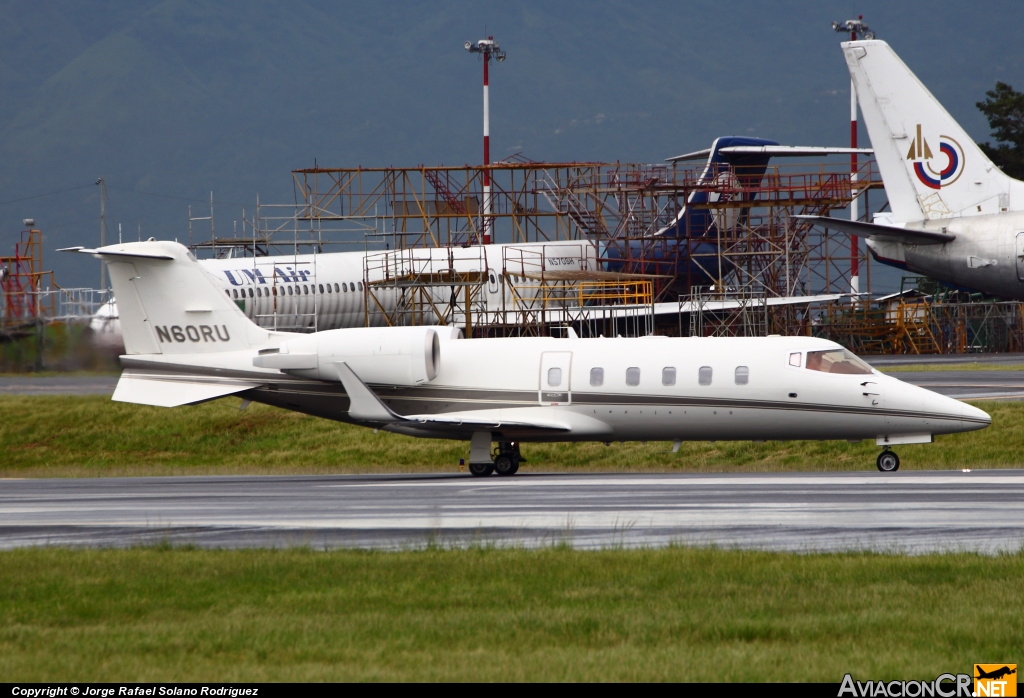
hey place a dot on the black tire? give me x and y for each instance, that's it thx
(506, 465)
(481, 469)
(888, 462)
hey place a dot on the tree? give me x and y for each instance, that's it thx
(1004, 108)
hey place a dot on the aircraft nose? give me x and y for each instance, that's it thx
(973, 418)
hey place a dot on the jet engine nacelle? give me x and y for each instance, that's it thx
(378, 355)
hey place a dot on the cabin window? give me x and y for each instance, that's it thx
(360, 286)
(836, 361)
(597, 377)
(794, 359)
(289, 290)
(305, 289)
(554, 376)
(227, 292)
(321, 288)
(704, 375)
(235, 292)
(344, 287)
(668, 375)
(742, 375)
(336, 289)
(633, 376)
(352, 286)
(274, 290)
(328, 288)
(250, 293)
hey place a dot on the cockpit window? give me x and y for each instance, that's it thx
(836, 361)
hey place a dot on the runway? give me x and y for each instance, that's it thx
(905, 512)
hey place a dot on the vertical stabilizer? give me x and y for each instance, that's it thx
(169, 304)
(930, 166)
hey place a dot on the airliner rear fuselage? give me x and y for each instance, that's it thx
(987, 254)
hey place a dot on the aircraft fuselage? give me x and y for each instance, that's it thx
(987, 254)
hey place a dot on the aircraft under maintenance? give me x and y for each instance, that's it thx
(956, 217)
(329, 290)
(187, 342)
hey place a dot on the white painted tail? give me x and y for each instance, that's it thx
(931, 167)
(169, 305)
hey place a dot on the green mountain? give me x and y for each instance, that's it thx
(169, 100)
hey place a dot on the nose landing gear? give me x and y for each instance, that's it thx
(888, 461)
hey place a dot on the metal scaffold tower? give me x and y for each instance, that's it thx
(26, 287)
(740, 239)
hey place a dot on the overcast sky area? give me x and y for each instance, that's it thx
(170, 100)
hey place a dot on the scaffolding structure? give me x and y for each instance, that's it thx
(749, 241)
(925, 326)
(25, 285)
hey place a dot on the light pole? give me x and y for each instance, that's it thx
(855, 27)
(103, 230)
(487, 47)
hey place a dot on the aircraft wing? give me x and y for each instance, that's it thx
(365, 406)
(885, 233)
(172, 390)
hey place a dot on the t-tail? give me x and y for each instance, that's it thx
(931, 167)
(175, 322)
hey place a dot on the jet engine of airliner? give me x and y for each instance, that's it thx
(400, 356)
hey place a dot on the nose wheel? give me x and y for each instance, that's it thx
(888, 462)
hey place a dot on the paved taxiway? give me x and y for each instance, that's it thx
(911, 512)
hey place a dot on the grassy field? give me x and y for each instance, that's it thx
(88, 436)
(943, 367)
(555, 614)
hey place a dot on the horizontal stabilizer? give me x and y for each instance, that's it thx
(884, 233)
(108, 252)
(775, 151)
(172, 390)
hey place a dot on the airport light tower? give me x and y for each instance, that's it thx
(855, 27)
(487, 48)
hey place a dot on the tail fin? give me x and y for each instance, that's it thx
(736, 163)
(169, 305)
(931, 167)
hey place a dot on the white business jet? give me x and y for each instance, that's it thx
(955, 216)
(187, 341)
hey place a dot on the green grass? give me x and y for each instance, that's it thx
(509, 615)
(87, 436)
(944, 367)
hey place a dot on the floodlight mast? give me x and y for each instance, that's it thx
(855, 27)
(487, 48)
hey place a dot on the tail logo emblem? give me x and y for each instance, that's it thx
(948, 172)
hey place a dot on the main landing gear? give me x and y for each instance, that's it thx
(504, 460)
(888, 461)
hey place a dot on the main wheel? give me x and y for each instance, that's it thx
(506, 464)
(888, 462)
(481, 469)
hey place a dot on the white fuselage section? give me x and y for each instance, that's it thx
(987, 254)
(356, 289)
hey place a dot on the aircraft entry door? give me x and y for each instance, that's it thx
(554, 378)
(1020, 256)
